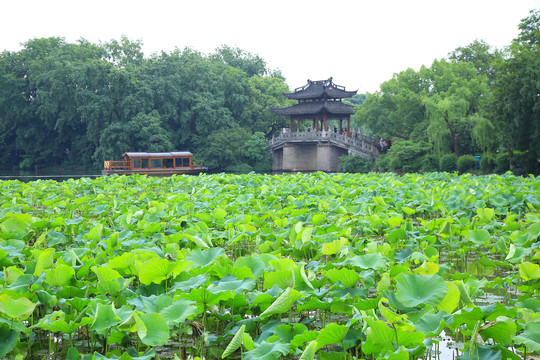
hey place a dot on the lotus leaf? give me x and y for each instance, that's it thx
(347, 277)
(283, 303)
(334, 247)
(130, 354)
(282, 278)
(254, 263)
(530, 337)
(8, 339)
(501, 330)
(267, 351)
(202, 258)
(16, 308)
(152, 329)
(484, 352)
(309, 351)
(478, 236)
(451, 300)
(235, 343)
(104, 317)
(331, 334)
(59, 276)
(529, 271)
(413, 290)
(156, 270)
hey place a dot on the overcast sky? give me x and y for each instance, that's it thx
(359, 43)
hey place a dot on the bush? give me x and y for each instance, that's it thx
(407, 155)
(524, 163)
(466, 163)
(430, 163)
(241, 168)
(355, 164)
(263, 166)
(448, 163)
(502, 163)
(487, 163)
(383, 163)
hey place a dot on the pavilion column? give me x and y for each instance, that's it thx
(317, 123)
(290, 128)
(324, 122)
(349, 125)
(297, 124)
(340, 125)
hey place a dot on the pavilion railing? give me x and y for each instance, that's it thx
(356, 141)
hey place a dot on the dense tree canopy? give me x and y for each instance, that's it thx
(477, 101)
(100, 100)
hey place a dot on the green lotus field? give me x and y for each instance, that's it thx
(306, 266)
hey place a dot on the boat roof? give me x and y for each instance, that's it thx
(157, 154)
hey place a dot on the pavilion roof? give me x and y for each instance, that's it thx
(320, 89)
(315, 107)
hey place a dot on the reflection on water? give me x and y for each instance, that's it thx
(58, 174)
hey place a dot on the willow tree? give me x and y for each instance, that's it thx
(454, 101)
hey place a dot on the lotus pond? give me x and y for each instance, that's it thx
(325, 266)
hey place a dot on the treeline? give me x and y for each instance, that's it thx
(97, 101)
(480, 101)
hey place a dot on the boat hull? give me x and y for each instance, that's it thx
(157, 172)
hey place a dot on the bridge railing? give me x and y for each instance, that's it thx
(358, 141)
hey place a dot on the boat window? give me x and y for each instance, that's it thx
(185, 162)
(137, 163)
(144, 163)
(168, 163)
(155, 163)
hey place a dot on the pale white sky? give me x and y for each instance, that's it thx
(359, 43)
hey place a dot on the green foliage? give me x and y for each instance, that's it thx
(448, 163)
(383, 163)
(502, 163)
(407, 156)
(431, 163)
(99, 101)
(514, 105)
(225, 148)
(355, 164)
(487, 163)
(466, 163)
(524, 163)
(224, 263)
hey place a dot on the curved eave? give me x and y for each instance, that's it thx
(320, 92)
(314, 108)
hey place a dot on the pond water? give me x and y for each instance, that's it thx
(58, 174)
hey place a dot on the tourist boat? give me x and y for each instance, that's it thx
(154, 164)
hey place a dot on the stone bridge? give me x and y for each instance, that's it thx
(317, 151)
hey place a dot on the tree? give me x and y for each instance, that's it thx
(515, 102)
(255, 154)
(264, 93)
(481, 55)
(456, 95)
(397, 109)
(142, 133)
(225, 148)
(251, 64)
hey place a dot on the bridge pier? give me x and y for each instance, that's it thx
(316, 151)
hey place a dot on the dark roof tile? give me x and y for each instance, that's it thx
(320, 89)
(315, 107)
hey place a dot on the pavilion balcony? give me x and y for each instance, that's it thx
(355, 142)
